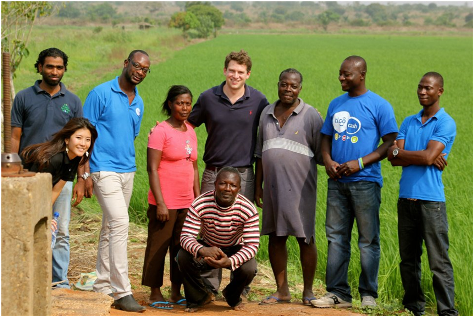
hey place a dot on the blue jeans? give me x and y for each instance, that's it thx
(61, 248)
(346, 201)
(417, 221)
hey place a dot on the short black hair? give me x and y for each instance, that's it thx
(132, 53)
(292, 71)
(229, 169)
(51, 52)
(437, 76)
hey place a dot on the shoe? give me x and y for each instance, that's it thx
(330, 301)
(368, 301)
(128, 303)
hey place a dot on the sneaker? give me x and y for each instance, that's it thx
(368, 301)
(330, 301)
(128, 303)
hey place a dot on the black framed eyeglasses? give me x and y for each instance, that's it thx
(137, 66)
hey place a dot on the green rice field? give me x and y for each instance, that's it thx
(395, 66)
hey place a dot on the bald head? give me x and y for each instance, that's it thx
(358, 62)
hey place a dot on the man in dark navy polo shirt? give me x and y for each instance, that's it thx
(230, 112)
(37, 113)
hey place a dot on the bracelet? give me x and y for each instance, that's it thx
(361, 164)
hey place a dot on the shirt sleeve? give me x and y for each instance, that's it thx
(327, 128)
(251, 240)
(403, 129)
(196, 115)
(18, 111)
(259, 145)
(93, 107)
(191, 228)
(78, 113)
(386, 122)
(445, 131)
(157, 138)
(317, 125)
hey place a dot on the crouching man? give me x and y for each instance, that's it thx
(228, 226)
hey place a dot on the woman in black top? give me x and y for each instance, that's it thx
(63, 153)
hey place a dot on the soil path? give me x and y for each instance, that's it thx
(84, 233)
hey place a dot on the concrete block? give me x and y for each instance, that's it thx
(26, 245)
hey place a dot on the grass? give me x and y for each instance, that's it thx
(395, 65)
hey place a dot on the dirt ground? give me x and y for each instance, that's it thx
(84, 233)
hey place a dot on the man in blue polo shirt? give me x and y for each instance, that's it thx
(422, 147)
(116, 110)
(38, 112)
(354, 124)
(231, 112)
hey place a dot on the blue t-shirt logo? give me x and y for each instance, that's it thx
(343, 122)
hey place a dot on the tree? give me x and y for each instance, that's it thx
(468, 20)
(327, 17)
(18, 18)
(184, 21)
(213, 13)
(377, 12)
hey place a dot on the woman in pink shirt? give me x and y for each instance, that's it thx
(174, 183)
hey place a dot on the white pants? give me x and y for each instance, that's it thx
(113, 191)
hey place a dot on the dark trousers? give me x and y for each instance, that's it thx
(197, 289)
(417, 221)
(161, 236)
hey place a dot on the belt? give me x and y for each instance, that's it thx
(241, 169)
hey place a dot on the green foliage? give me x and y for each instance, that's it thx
(206, 26)
(295, 16)
(468, 20)
(359, 22)
(281, 10)
(237, 6)
(184, 21)
(445, 19)
(377, 12)
(97, 29)
(69, 10)
(214, 14)
(103, 12)
(327, 17)
(18, 18)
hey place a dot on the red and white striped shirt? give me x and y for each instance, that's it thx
(222, 227)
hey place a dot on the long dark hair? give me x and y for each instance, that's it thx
(43, 152)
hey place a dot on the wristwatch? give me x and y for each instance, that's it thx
(85, 175)
(395, 152)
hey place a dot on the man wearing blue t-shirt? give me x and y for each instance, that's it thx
(422, 148)
(351, 133)
(116, 110)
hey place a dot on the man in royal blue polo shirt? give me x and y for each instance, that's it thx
(116, 110)
(38, 112)
(422, 147)
(230, 112)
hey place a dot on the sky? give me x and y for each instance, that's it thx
(438, 3)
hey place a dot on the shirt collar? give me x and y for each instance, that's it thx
(437, 114)
(116, 87)
(38, 89)
(220, 91)
(297, 110)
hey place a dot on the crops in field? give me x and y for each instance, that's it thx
(395, 65)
